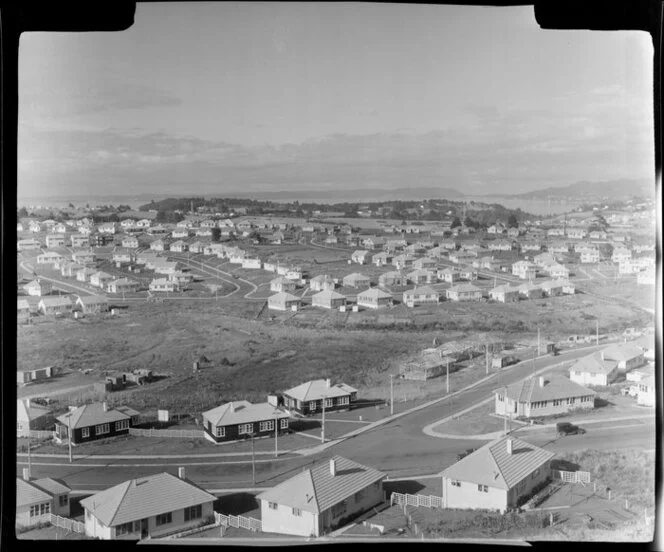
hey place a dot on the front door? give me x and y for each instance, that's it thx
(144, 528)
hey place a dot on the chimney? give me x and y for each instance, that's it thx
(26, 474)
(601, 355)
(333, 467)
(104, 405)
(27, 403)
(509, 446)
(327, 382)
(181, 473)
(232, 407)
(541, 381)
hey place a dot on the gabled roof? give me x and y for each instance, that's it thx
(91, 414)
(93, 299)
(123, 281)
(316, 490)
(505, 288)
(359, 252)
(493, 466)
(555, 387)
(51, 486)
(375, 293)
(32, 412)
(622, 352)
(551, 284)
(315, 390)
(328, 294)
(283, 296)
(464, 287)
(421, 290)
(144, 497)
(241, 412)
(356, 276)
(27, 493)
(56, 301)
(322, 278)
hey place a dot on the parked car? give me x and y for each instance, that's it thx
(465, 453)
(567, 428)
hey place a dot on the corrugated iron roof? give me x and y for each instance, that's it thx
(51, 486)
(493, 466)
(145, 497)
(622, 352)
(316, 490)
(315, 390)
(555, 387)
(91, 414)
(27, 493)
(242, 412)
(594, 364)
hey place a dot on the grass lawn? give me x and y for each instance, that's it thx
(52, 533)
(475, 422)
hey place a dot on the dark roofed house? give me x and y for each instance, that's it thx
(307, 398)
(322, 498)
(241, 419)
(91, 422)
(542, 396)
(151, 506)
(92, 304)
(497, 476)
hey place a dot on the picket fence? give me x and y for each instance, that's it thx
(429, 501)
(66, 523)
(35, 434)
(252, 524)
(572, 477)
(179, 433)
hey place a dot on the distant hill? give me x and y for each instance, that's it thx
(357, 194)
(584, 189)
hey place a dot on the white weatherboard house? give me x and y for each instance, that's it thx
(374, 298)
(496, 476)
(150, 506)
(36, 499)
(319, 499)
(283, 301)
(594, 369)
(328, 299)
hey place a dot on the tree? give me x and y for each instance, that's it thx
(512, 222)
(216, 235)
(22, 212)
(455, 222)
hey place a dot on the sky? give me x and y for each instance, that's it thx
(226, 97)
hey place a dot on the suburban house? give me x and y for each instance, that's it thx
(321, 283)
(283, 301)
(38, 288)
(32, 417)
(561, 248)
(70, 269)
(524, 270)
(468, 274)
(557, 271)
(530, 246)
(55, 240)
(646, 392)
(459, 257)
(241, 419)
(429, 364)
(56, 304)
(497, 476)
(197, 247)
(421, 296)
(449, 275)
(594, 369)
(552, 288)
(123, 285)
(178, 246)
(530, 291)
(91, 422)
(92, 304)
(252, 263)
(505, 294)
(328, 299)
(130, 242)
(464, 292)
(294, 274)
(403, 261)
(158, 245)
(621, 254)
(28, 244)
(392, 278)
(100, 279)
(181, 278)
(163, 284)
(568, 287)
(381, 259)
(360, 256)
(373, 242)
(500, 245)
(374, 298)
(356, 280)
(425, 263)
(48, 257)
(307, 398)
(639, 374)
(36, 499)
(150, 506)
(422, 276)
(36, 374)
(79, 240)
(542, 396)
(590, 256)
(282, 284)
(627, 355)
(123, 256)
(321, 498)
(180, 233)
(544, 259)
(23, 309)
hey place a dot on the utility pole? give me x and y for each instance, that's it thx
(29, 455)
(539, 347)
(597, 332)
(276, 437)
(322, 430)
(486, 354)
(448, 375)
(391, 394)
(69, 435)
(253, 459)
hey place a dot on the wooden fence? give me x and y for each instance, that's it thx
(35, 434)
(178, 433)
(429, 501)
(252, 524)
(571, 477)
(66, 523)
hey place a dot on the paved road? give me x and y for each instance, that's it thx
(399, 447)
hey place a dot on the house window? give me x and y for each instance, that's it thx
(194, 512)
(266, 426)
(344, 400)
(312, 405)
(122, 424)
(456, 483)
(283, 423)
(272, 505)
(329, 403)
(220, 431)
(87, 514)
(500, 398)
(64, 499)
(102, 429)
(483, 488)
(297, 512)
(124, 529)
(245, 429)
(556, 402)
(164, 519)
